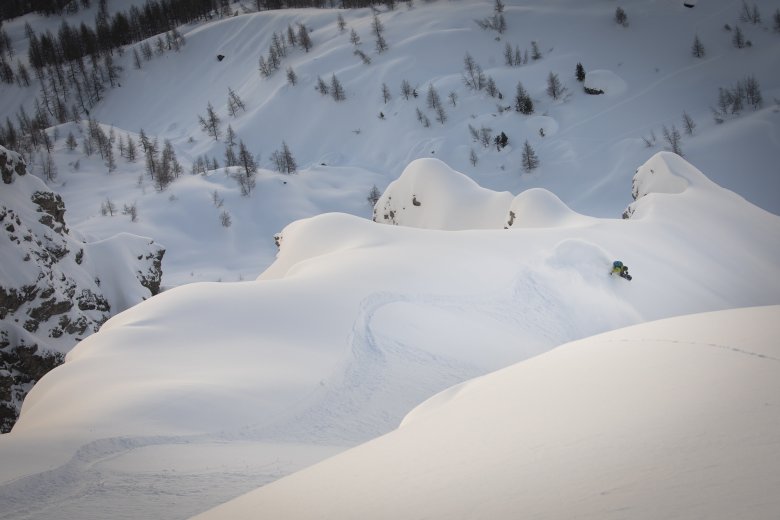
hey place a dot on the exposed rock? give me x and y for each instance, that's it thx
(51, 299)
(152, 277)
(54, 208)
(10, 163)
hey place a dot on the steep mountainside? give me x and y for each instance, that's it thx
(55, 289)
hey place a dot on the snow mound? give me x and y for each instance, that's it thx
(581, 256)
(627, 420)
(606, 81)
(545, 123)
(667, 174)
(538, 207)
(429, 194)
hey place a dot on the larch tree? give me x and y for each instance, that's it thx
(210, 123)
(529, 159)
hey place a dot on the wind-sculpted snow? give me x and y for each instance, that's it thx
(671, 419)
(429, 194)
(357, 322)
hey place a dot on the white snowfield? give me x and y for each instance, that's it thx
(209, 390)
(675, 419)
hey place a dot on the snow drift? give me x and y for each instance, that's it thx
(674, 419)
(355, 323)
(429, 194)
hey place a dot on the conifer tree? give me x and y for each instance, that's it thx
(354, 37)
(523, 102)
(580, 72)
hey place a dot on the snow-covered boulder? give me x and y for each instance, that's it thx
(55, 289)
(604, 82)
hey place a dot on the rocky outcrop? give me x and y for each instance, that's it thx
(54, 289)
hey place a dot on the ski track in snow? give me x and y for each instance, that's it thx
(699, 344)
(348, 409)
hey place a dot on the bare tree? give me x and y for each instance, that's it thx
(336, 90)
(422, 118)
(406, 89)
(373, 196)
(292, 77)
(386, 93)
(107, 208)
(304, 38)
(210, 123)
(473, 76)
(491, 87)
(48, 167)
(485, 136)
(738, 39)
(473, 159)
(132, 210)
(340, 23)
(697, 49)
(688, 123)
(441, 114)
(234, 102)
(363, 56)
(554, 87)
(224, 218)
(536, 54)
(322, 87)
(432, 98)
(529, 159)
(673, 139)
(284, 160)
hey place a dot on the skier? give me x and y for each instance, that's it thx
(620, 269)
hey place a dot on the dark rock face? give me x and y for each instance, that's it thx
(50, 294)
(10, 163)
(53, 209)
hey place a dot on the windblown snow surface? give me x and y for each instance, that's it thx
(211, 389)
(672, 419)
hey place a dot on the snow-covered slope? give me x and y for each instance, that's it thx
(352, 326)
(55, 289)
(671, 419)
(590, 149)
